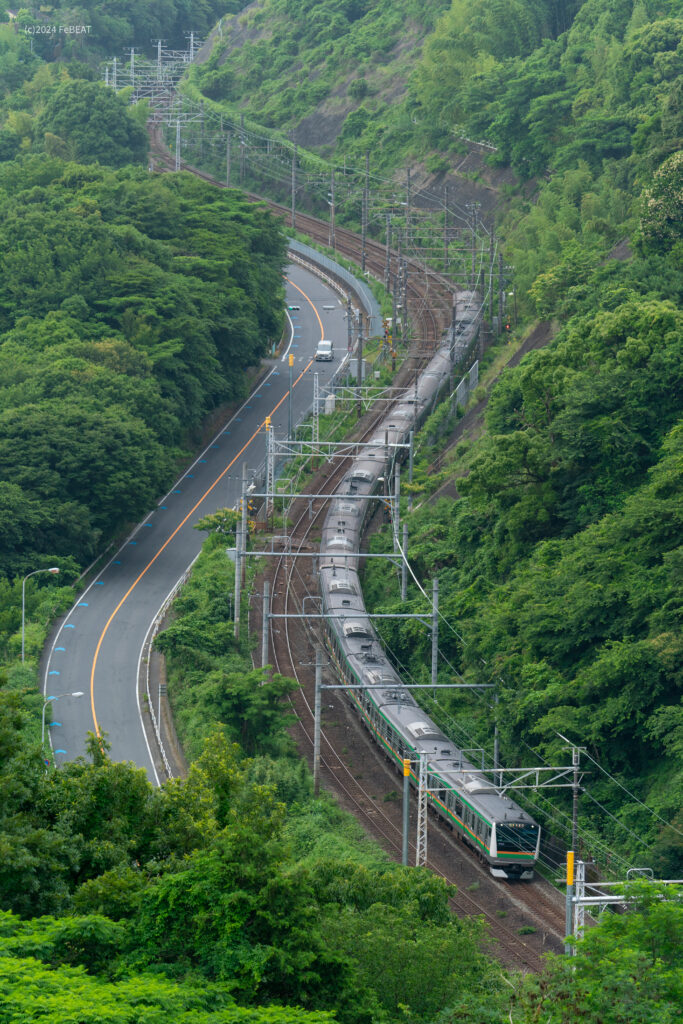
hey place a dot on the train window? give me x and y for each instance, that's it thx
(458, 807)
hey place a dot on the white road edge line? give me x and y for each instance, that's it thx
(291, 336)
(138, 702)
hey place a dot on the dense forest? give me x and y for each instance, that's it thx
(559, 565)
(126, 303)
(112, 28)
(130, 307)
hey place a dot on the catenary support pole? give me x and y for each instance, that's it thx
(265, 623)
(364, 212)
(294, 156)
(359, 374)
(244, 523)
(576, 755)
(238, 579)
(404, 565)
(501, 286)
(406, 811)
(397, 504)
(332, 212)
(316, 727)
(435, 628)
(568, 900)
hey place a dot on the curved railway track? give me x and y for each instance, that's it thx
(430, 296)
(290, 641)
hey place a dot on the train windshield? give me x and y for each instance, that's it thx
(515, 837)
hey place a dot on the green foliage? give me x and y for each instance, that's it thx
(210, 676)
(560, 565)
(337, 44)
(94, 123)
(128, 308)
(627, 969)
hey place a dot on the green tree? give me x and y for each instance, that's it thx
(628, 968)
(94, 123)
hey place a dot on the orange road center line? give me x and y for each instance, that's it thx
(190, 513)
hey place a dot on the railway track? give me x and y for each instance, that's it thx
(430, 296)
(534, 920)
(291, 645)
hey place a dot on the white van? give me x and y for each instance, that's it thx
(324, 351)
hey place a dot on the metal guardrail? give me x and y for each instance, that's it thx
(147, 660)
(368, 300)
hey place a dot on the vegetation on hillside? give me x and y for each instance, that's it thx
(114, 28)
(286, 58)
(129, 307)
(559, 565)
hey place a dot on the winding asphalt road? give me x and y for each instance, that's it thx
(98, 646)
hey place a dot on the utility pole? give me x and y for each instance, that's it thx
(289, 401)
(501, 286)
(270, 469)
(408, 200)
(491, 259)
(113, 75)
(445, 228)
(406, 811)
(240, 551)
(201, 124)
(316, 420)
(359, 406)
(317, 715)
(435, 629)
(349, 326)
(332, 211)
(245, 503)
(243, 150)
(421, 845)
(132, 66)
(228, 154)
(568, 924)
(294, 156)
(576, 755)
(387, 262)
(177, 145)
(396, 504)
(265, 623)
(364, 210)
(496, 740)
(404, 565)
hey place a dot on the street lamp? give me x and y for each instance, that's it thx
(78, 693)
(54, 572)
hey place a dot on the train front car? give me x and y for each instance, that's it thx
(515, 845)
